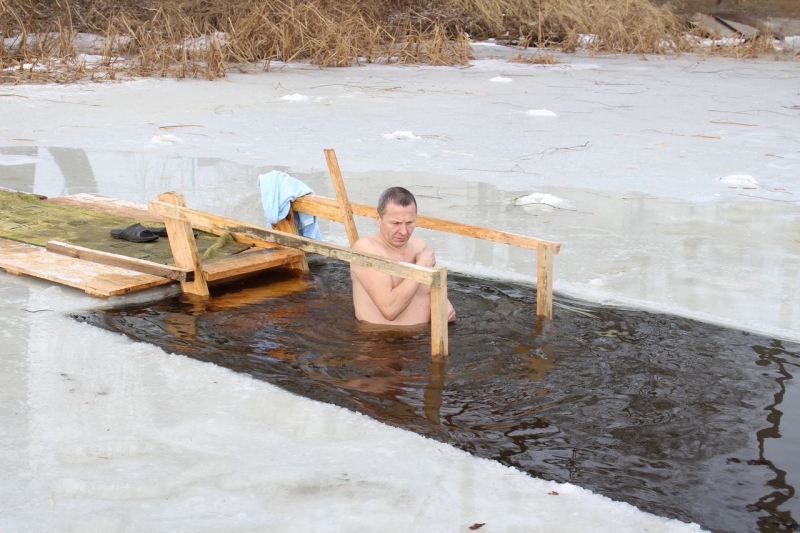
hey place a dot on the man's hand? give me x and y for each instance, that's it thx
(451, 312)
(425, 258)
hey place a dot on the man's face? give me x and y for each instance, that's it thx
(397, 224)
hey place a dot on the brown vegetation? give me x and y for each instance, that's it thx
(43, 39)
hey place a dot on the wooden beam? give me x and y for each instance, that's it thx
(327, 208)
(121, 261)
(544, 281)
(241, 230)
(341, 196)
(288, 225)
(184, 249)
(439, 347)
(249, 262)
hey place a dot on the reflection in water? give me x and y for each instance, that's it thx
(658, 411)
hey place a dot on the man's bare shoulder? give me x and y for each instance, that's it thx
(417, 244)
(368, 244)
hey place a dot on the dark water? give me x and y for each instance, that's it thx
(665, 413)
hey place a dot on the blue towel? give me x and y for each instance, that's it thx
(278, 190)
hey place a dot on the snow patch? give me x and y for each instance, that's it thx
(501, 79)
(168, 139)
(294, 98)
(541, 200)
(401, 135)
(540, 113)
(740, 181)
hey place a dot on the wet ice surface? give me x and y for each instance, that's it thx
(674, 416)
(642, 169)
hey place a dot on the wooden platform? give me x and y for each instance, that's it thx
(94, 278)
(105, 280)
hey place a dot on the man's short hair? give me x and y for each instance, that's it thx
(395, 195)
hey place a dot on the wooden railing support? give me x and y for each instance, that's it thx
(439, 345)
(288, 225)
(341, 196)
(184, 249)
(544, 281)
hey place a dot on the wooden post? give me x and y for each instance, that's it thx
(341, 195)
(287, 225)
(439, 346)
(184, 249)
(544, 281)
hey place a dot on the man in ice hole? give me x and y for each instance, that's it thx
(384, 299)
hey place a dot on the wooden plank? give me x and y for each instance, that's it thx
(93, 278)
(240, 229)
(327, 208)
(184, 249)
(341, 196)
(439, 347)
(249, 262)
(288, 225)
(319, 206)
(544, 282)
(122, 261)
(109, 206)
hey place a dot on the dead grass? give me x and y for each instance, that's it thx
(43, 40)
(536, 59)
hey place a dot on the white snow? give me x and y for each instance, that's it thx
(740, 181)
(540, 113)
(489, 43)
(544, 201)
(102, 433)
(401, 135)
(294, 98)
(160, 140)
(501, 79)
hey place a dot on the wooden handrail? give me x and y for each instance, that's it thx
(328, 208)
(331, 209)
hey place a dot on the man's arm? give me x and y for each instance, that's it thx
(390, 301)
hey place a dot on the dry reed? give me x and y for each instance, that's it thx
(46, 40)
(536, 59)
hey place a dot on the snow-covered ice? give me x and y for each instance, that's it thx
(540, 113)
(401, 135)
(294, 98)
(102, 433)
(740, 181)
(544, 201)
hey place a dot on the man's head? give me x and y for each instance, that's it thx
(395, 195)
(397, 216)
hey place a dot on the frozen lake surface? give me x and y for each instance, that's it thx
(672, 184)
